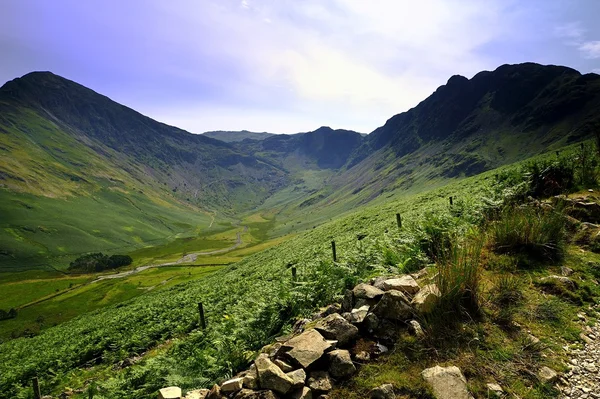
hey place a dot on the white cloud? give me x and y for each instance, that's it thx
(573, 32)
(590, 50)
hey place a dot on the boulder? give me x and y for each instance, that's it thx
(197, 394)
(340, 364)
(271, 377)
(357, 316)
(405, 284)
(348, 301)
(446, 382)
(250, 394)
(416, 328)
(307, 347)
(231, 386)
(319, 381)
(393, 305)
(301, 393)
(366, 291)
(283, 365)
(170, 393)
(546, 375)
(298, 377)
(385, 391)
(214, 393)
(336, 327)
(371, 322)
(377, 282)
(425, 300)
(251, 378)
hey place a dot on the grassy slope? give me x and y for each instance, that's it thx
(242, 292)
(61, 199)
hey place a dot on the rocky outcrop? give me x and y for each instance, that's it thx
(327, 348)
(337, 328)
(307, 348)
(272, 377)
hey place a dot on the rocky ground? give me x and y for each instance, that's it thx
(583, 379)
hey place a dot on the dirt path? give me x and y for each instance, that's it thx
(189, 258)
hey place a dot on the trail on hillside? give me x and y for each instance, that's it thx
(189, 258)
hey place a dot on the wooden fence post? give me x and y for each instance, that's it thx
(202, 319)
(399, 220)
(333, 251)
(36, 388)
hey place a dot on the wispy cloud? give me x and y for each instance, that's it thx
(283, 65)
(590, 50)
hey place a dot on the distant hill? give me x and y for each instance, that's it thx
(231, 137)
(324, 148)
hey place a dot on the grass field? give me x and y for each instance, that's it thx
(75, 296)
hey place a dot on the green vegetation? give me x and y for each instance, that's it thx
(98, 262)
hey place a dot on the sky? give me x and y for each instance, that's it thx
(287, 66)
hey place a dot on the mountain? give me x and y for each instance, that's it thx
(79, 172)
(231, 137)
(468, 126)
(324, 148)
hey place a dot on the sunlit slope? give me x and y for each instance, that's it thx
(464, 128)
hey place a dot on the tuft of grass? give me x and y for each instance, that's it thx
(459, 282)
(535, 233)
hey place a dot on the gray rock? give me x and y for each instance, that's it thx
(385, 391)
(425, 300)
(250, 394)
(298, 377)
(170, 393)
(348, 301)
(319, 381)
(495, 390)
(366, 291)
(446, 382)
(566, 271)
(271, 377)
(416, 328)
(307, 347)
(301, 393)
(377, 282)
(340, 364)
(215, 393)
(283, 365)
(405, 284)
(336, 327)
(231, 386)
(393, 305)
(567, 282)
(546, 375)
(371, 322)
(197, 394)
(251, 378)
(357, 316)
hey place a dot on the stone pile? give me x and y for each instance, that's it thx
(328, 347)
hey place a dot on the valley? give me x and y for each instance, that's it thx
(223, 218)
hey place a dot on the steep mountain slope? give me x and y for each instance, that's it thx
(80, 173)
(468, 126)
(323, 148)
(231, 137)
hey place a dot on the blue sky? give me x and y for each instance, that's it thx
(287, 66)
